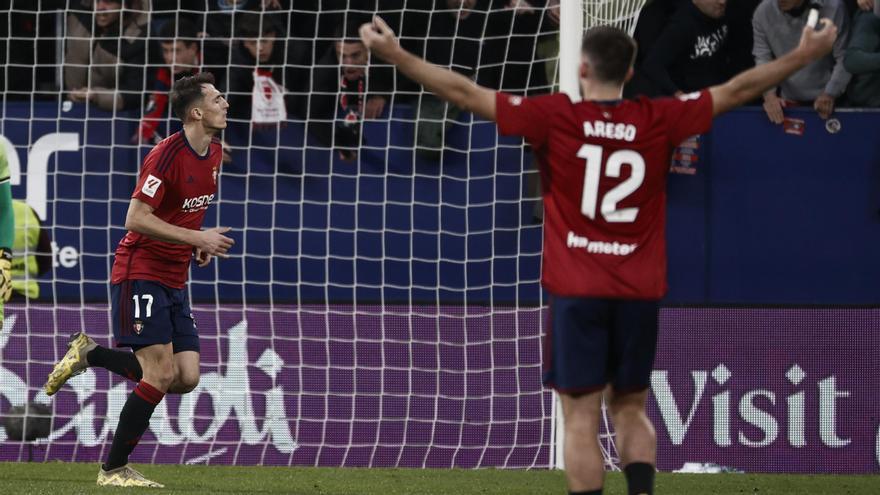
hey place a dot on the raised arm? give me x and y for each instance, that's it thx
(446, 84)
(745, 87)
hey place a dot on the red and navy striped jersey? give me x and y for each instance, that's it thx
(179, 185)
(603, 167)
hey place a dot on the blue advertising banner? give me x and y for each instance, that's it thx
(765, 217)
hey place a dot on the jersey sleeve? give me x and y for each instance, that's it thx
(151, 184)
(527, 117)
(686, 115)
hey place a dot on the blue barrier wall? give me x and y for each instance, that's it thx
(768, 218)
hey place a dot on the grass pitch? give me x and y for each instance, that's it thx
(67, 478)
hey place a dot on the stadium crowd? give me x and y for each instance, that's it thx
(280, 60)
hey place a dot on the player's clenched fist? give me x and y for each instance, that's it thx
(379, 38)
(213, 242)
(5, 274)
(816, 43)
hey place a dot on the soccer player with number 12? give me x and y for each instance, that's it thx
(603, 162)
(150, 307)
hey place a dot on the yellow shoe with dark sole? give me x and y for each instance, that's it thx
(73, 363)
(125, 476)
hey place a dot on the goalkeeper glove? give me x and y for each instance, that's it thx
(5, 274)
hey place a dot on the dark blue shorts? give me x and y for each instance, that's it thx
(594, 342)
(146, 313)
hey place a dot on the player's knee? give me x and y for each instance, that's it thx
(160, 378)
(187, 381)
(627, 411)
(582, 423)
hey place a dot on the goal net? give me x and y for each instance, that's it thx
(382, 304)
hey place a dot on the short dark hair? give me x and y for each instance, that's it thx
(349, 32)
(611, 53)
(254, 25)
(182, 29)
(187, 91)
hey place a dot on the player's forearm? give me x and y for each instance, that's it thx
(150, 225)
(756, 81)
(446, 84)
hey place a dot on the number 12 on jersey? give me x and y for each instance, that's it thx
(590, 197)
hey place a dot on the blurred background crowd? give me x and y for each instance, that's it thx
(280, 60)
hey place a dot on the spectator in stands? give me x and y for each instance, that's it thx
(854, 6)
(548, 44)
(221, 17)
(777, 25)
(691, 53)
(449, 35)
(653, 18)
(511, 34)
(863, 60)
(741, 38)
(106, 66)
(268, 72)
(345, 91)
(182, 57)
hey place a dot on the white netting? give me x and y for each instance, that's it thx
(383, 311)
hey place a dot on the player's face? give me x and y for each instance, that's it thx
(712, 8)
(106, 12)
(180, 56)
(353, 58)
(260, 48)
(213, 107)
(786, 5)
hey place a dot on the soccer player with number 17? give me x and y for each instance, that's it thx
(150, 308)
(603, 162)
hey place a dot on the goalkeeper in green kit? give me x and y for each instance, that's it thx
(7, 232)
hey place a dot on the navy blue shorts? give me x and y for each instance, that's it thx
(145, 313)
(594, 342)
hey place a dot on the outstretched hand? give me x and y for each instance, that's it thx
(816, 43)
(379, 38)
(213, 242)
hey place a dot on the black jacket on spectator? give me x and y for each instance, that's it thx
(739, 42)
(434, 31)
(508, 50)
(690, 54)
(652, 19)
(328, 98)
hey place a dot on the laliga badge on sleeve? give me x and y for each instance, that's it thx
(832, 126)
(793, 126)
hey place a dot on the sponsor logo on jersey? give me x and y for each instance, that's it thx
(197, 203)
(151, 185)
(138, 326)
(515, 100)
(599, 247)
